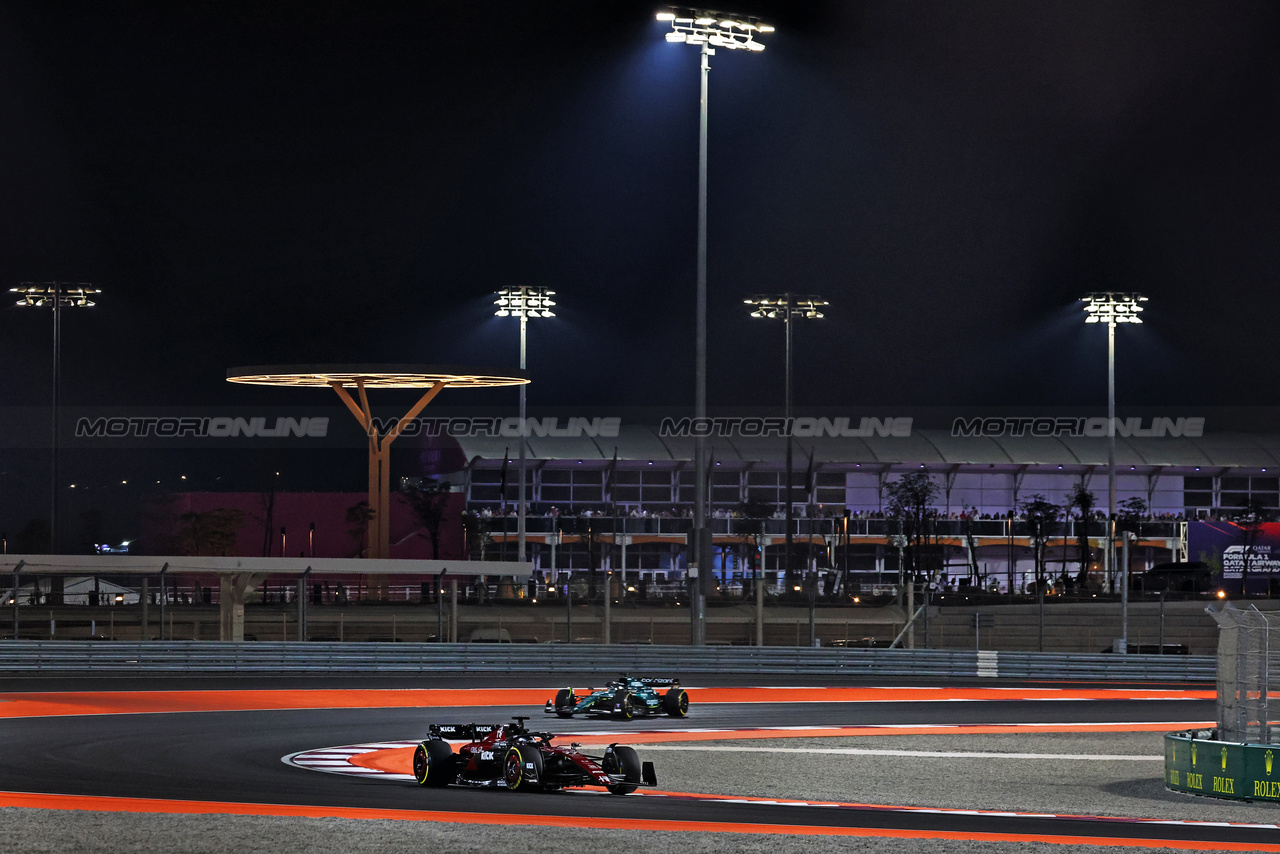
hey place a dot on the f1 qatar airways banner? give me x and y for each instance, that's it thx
(1228, 545)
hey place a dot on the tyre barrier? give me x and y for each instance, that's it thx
(1197, 763)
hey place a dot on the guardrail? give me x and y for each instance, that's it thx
(61, 658)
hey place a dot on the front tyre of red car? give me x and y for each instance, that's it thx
(433, 764)
(522, 769)
(565, 702)
(622, 760)
(675, 702)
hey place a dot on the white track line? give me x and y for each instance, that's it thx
(788, 802)
(930, 754)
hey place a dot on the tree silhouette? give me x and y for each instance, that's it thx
(359, 516)
(430, 501)
(1082, 500)
(1040, 515)
(211, 533)
(754, 511)
(910, 497)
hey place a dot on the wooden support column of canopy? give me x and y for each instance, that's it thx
(433, 378)
(379, 525)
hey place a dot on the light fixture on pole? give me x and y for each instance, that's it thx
(1111, 308)
(789, 307)
(56, 295)
(709, 30)
(523, 302)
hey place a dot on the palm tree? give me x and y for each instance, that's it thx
(1040, 515)
(909, 500)
(1083, 501)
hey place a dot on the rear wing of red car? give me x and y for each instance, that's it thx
(456, 732)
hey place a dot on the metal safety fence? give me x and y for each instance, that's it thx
(1248, 665)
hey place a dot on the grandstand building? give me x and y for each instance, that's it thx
(619, 493)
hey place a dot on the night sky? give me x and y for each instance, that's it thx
(254, 182)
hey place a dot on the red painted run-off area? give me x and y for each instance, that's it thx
(15, 705)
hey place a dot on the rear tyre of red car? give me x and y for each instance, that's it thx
(675, 702)
(433, 764)
(522, 768)
(623, 760)
(565, 702)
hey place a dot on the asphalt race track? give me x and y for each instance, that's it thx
(225, 760)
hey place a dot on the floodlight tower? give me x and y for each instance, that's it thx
(1111, 308)
(523, 302)
(789, 307)
(56, 295)
(709, 30)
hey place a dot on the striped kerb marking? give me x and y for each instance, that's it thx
(386, 760)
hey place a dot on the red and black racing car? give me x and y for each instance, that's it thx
(510, 756)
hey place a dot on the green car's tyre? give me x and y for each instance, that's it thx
(624, 706)
(433, 764)
(675, 702)
(565, 702)
(624, 761)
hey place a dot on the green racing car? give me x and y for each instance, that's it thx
(624, 698)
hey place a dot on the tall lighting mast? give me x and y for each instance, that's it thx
(523, 302)
(708, 30)
(57, 296)
(789, 307)
(1111, 308)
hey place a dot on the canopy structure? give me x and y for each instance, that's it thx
(433, 378)
(376, 376)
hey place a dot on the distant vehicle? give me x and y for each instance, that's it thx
(861, 643)
(509, 756)
(624, 698)
(1177, 577)
(489, 635)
